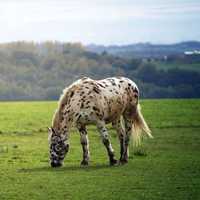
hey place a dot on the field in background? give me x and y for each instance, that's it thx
(170, 170)
(173, 65)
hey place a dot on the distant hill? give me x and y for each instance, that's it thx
(40, 71)
(146, 50)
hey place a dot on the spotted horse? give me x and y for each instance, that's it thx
(99, 102)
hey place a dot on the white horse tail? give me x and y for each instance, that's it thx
(139, 126)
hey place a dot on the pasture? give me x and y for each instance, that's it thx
(169, 167)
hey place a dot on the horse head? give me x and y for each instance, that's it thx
(58, 147)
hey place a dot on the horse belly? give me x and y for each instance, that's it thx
(114, 110)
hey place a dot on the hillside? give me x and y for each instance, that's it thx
(39, 71)
(146, 50)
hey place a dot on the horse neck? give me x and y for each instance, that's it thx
(59, 122)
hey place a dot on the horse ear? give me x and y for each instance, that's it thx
(51, 130)
(49, 133)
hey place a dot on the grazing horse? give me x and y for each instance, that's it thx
(87, 101)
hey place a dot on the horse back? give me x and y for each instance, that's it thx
(87, 100)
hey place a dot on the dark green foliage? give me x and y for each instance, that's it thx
(40, 71)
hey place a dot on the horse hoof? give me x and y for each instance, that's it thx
(123, 162)
(114, 162)
(54, 165)
(84, 163)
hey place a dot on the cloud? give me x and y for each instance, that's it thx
(15, 12)
(97, 20)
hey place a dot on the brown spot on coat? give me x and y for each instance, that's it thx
(101, 85)
(72, 93)
(96, 109)
(96, 89)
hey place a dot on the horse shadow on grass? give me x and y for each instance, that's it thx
(65, 168)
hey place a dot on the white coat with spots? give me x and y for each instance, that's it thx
(112, 100)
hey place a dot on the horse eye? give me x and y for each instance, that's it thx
(60, 142)
(58, 148)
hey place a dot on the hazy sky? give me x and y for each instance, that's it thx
(100, 21)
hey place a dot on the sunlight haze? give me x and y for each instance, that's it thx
(100, 22)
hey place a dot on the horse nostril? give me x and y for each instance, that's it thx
(53, 164)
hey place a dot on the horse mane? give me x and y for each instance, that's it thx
(63, 100)
(58, 113)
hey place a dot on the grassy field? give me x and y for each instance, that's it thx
(172, 65)
(170, 170)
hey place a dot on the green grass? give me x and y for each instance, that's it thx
(167, 167)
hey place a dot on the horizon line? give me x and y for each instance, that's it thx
(99, 44)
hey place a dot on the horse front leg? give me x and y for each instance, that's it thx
(105, 139)
(85, 145)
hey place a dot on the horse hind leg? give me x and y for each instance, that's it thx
(118, 126)
(128, 132)
(85, 144)
(105, 139)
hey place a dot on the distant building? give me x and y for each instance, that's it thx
(165, 58)
(195, 52)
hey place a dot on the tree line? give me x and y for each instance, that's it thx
(40, 71)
